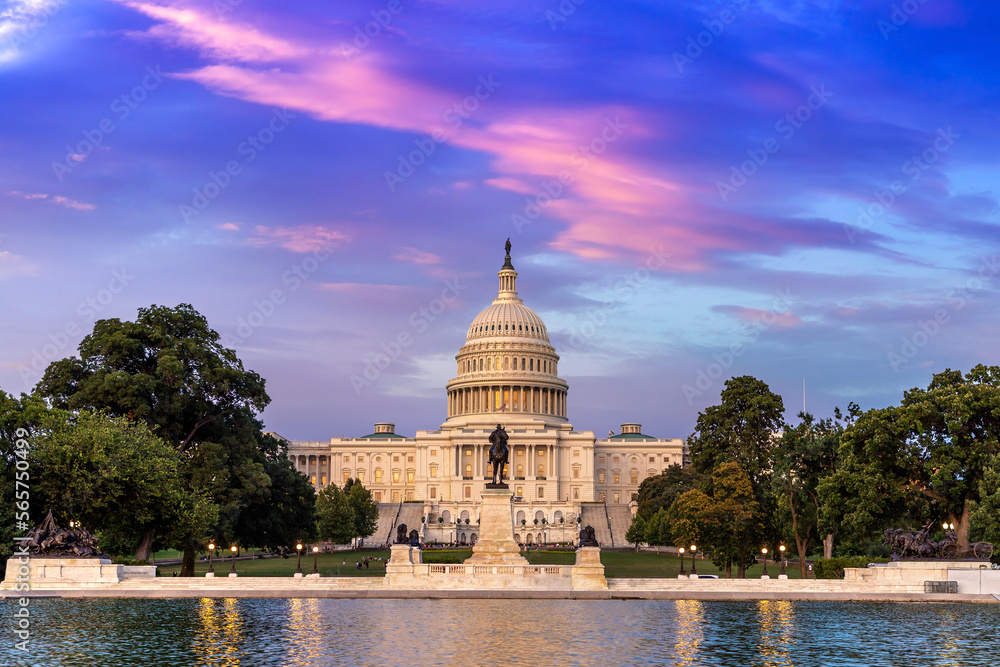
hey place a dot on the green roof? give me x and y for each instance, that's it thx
(371, 436)
(631, 436)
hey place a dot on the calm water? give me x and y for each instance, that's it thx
(503, 632)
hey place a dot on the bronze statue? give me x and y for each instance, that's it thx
(48, 539)
(414, 538)
(588, 537)
(498, 456)
(918, 544)
(401, 536)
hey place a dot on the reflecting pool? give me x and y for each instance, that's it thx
(301, 632)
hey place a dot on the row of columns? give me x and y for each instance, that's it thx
(318, 469)
(480, 464)
(516, 398)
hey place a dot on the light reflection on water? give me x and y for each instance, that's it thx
(312, 632)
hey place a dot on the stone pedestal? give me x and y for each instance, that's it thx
(298, 575)
(43, 572)
(496, 545)
(782, 576)
(765, 576)
(692, 576)
(233, 574)
(210, 574)
(588, 573)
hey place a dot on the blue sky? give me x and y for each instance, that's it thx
(814, 185)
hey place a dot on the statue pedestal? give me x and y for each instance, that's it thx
(496, 545)
(588, 573)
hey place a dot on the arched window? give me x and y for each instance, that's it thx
(506, 363)
(361, 476)
(468, 471)
(464, 516)
(446, 515)
(634, 476)
(480, 364)
(520, 471)
(490, 366)
(520, 517)
(522, 363)
(541, 470)
(378, 475)
(531, 364)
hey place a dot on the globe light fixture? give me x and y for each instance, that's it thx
(232, 573)
(683, 571)
(783, 559)
(764, 551)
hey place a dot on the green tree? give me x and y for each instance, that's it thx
(658, 530)
(660, 491)
(636, 532)
(803, 457)
(169, 370)
(984, 520)
(736, 522)
(365, 510)
(114, 476)
(334, 516)
(690, 519)
(925, 458)
(19, 422)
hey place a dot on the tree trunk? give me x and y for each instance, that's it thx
(729, 570)
(801, 544)
(828, 546)
(741, 572)
(145, 547)
(187, 566)
(962, 528)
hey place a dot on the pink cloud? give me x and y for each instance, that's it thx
(302, 239)
(415, 256)
(229, 227)
(55, 199)
(787, 319)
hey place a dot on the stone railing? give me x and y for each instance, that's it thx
(496, 570)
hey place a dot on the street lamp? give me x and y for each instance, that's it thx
(232, 573)
(298, 568)
(764, 551)
(683, 571)
(782, 550)
(211, 552)
(315, 560)
(693, 549)
(948, 526)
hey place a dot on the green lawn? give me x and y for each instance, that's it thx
(616, 564)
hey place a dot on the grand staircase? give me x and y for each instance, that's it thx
(620, 518)
(387, 513)
(596, 515)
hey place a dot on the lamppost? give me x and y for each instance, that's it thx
(948, 526)
(764, 551)
(298, 567)
(315, 560)
(781, 548)
(232, 573)
(683, 571)
(211, 552)
(694, 548)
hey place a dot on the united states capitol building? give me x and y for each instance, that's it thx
(507, 372)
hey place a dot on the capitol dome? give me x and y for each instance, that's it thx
(507, 365)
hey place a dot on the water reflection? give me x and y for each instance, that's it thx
(775, 620)
(314, 632)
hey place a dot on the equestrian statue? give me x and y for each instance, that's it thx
(499, 453)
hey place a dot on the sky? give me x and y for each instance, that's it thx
(802, 191)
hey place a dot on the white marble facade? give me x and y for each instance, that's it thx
(506, 373)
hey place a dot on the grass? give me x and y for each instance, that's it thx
(616, 564)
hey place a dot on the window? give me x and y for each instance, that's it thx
(378, 496)
(378, 475)
(602, 498)
(600, 478)
(652, 459)
(322, 480)
(633, 476)
(313, 478)
(395, 496)
(468, 452)
(576, 493)
(409, 477)
(616, 459)
(361, 476)
(409, 459)
(434, 452)
(519, 491)
(468, 471)
(522, 363)
(541, 492)
(600, 459)
(541, 470)
(576, 472)
(434, 470)
(361, 459)
(468, 492)
(409, 495)
(395, 459)
(541, 452)
(347, 476)
(347, 459)
(666, 459)
(617, 497)
(576, 452)
(617, 480)
(531, 364)
(520, 471)
(434, 492)
(395, 477)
